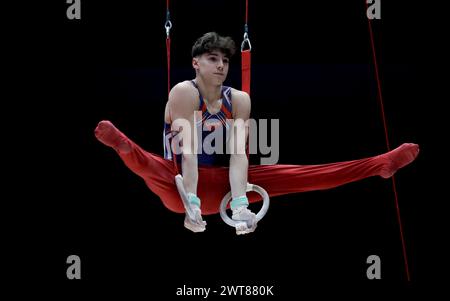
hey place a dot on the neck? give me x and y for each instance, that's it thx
(211, 93)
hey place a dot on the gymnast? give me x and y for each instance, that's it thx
(205, 103)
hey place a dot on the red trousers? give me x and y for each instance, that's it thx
(213, 182)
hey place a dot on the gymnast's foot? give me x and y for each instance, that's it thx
(195, 223)
(246, 217)
(398, 158)
(109, 135)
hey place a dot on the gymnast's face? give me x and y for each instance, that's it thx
(212, 66)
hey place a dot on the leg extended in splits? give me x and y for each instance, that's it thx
(284, 179)
(157, 172)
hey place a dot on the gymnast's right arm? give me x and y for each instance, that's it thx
(182, 105)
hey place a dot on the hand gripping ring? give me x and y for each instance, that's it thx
(259, 216)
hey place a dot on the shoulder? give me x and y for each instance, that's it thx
(240, 97)
(185, 89)
(241, 104)
(183, 93)
(183, 100)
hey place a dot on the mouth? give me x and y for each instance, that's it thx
(221, 74)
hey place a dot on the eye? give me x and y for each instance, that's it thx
(213, 58)
(226, 61)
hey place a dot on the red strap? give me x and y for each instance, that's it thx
(246, 67)
(168, 64)
(246, 63)
(168, 25)
(174, 156)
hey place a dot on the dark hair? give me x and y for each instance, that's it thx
(212, 41)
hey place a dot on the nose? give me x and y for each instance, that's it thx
(220, 65)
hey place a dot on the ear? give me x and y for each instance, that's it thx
(195, 63)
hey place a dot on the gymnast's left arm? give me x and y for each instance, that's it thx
(237, 143)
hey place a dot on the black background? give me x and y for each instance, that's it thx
(312, 68)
